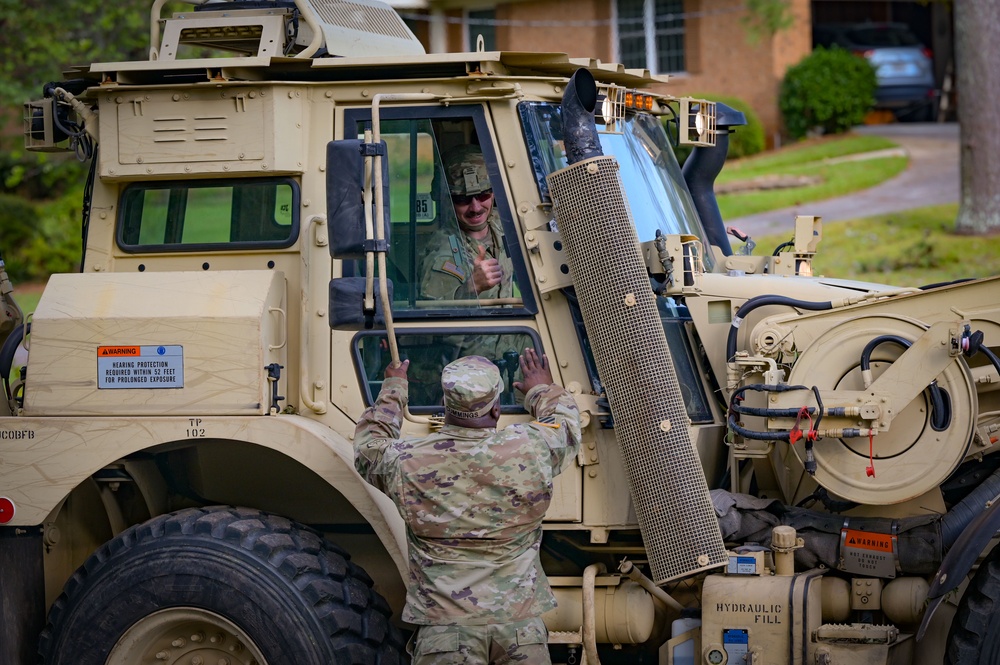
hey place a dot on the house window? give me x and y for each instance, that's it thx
(481, 22)
(651, 34)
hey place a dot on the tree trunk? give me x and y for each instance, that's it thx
(977, 32)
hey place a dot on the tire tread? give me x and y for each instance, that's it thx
(973, 636)
(339, 593)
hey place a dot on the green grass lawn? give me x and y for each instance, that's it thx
(808, 158)
(804, 152)
(910, 248)
(27, 300)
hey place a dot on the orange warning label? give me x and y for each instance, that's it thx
(108, 351)
(879, 542)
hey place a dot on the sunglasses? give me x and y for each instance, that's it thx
(466, 199)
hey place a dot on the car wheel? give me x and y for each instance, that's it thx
(220, 584)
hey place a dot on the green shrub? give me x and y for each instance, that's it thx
(39, 176)
(18, 230)
(37, 240)
(829, 91)
(743, 141)
(63, 243)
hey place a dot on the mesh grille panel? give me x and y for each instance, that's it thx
(669, 491)
(362, 17)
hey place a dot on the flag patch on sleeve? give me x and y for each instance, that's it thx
(451, 268)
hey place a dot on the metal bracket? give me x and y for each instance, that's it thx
(551, 264)
(273, 375)
(371, 245)
(372, 149)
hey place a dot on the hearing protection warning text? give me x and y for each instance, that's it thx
(140, 366)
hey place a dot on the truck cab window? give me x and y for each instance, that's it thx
(208, 215)
(452, 249)
(429, 350)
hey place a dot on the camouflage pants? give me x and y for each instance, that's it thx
(492, 644)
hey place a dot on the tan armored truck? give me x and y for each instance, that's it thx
(777, 467)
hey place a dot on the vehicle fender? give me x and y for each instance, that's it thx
(43, 459)
(960, 558)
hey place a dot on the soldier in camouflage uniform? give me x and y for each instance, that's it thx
(473, 499)
(467, 261)
(472, 263)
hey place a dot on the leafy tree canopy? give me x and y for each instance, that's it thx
(42, 38)
(765, 18)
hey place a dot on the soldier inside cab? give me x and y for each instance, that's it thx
(473, 262)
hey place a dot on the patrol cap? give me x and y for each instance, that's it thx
(471, 386)
(465, 170)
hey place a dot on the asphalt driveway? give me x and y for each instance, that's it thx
(931, 178)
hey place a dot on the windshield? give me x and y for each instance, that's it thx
(657, 194)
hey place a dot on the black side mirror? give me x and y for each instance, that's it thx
(345, 206)
(347, 305)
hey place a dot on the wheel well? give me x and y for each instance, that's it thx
(208, 472)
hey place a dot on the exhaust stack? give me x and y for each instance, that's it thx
(701, 169)
(668, 487)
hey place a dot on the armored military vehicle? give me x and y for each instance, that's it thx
(777, 467)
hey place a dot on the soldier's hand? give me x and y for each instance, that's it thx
(397, 369)
(486, 272)
(535, 371)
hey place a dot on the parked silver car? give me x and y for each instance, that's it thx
(903, 66)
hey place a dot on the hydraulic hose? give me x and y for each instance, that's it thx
(762, 301)
(940, 413)
(992, 357)
(777, 250)
(794, 434)
(976, 343)
(757, 436)
(966, 510)
(737, 397)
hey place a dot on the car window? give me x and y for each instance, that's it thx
(883, 35)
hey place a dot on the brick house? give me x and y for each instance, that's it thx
(705, 45)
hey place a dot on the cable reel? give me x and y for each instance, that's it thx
(915, 454)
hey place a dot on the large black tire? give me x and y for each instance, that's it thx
(974, 637)
(206, 584)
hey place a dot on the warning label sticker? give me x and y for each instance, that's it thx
(880, 542)
(866, 553)
(119, 351)
(140, 366)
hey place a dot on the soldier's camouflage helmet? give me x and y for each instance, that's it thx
(465, 170)
(472, 386)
